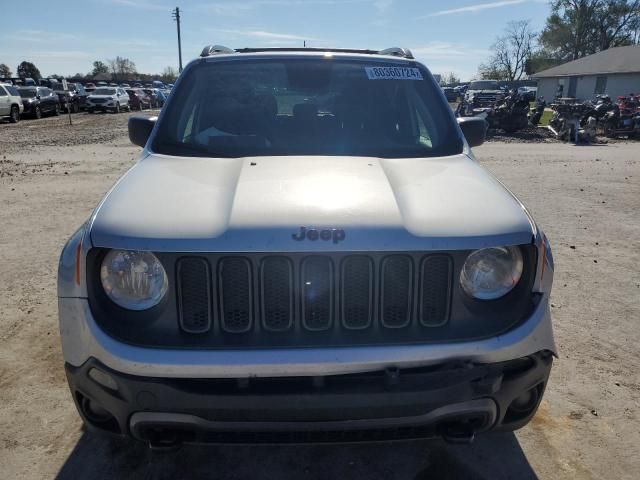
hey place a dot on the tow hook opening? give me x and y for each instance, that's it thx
(458, 432)
(166, 438)
(463, 430)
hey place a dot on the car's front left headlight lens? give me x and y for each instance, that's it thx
(133, 280)
(491, 273)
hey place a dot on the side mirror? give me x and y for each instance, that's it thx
(140, 128)
(474, 129)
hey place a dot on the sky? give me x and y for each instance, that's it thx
(66, 37)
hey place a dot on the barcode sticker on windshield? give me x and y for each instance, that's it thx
(393, 73)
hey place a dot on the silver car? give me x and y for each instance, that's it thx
(306, 250)
(108, 99)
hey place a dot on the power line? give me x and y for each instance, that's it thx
(176, 16)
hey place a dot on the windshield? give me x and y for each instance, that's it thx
(484, 85)
(27, 92)
(104, 91)
(307, 107)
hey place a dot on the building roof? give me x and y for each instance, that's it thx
(613, 60)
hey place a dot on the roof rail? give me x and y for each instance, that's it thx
(397, 52)
(215, 50)
(393, 51)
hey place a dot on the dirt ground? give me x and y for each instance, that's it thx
(587, 199)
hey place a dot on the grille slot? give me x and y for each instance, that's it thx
(277, 293)
(194, 289)
(357, 292)
(317, 293)
(435, 288)
(397, 287)
(236, 297)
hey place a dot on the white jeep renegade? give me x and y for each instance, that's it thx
(306, 250)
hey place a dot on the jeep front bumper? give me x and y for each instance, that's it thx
(455, 400)
(359, 393)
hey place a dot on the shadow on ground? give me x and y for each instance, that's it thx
(492, 456)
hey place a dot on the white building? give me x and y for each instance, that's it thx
(613, 72)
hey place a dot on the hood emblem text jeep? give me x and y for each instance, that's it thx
(335, 234)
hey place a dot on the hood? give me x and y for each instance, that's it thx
(260, 204)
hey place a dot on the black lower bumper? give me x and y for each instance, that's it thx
(454, 400)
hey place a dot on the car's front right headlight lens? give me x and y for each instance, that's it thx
(134, 280)
(491, 273)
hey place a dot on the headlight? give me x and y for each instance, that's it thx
(490, 273)
(133, 280)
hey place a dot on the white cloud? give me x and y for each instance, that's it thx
(383, 6)
(443, 57)
(40, 36)
(443, 50)
(264, 35)
(237, 7)
(141, 4)
(61, 56)
(476, 8)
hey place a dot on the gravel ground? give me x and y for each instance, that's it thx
(587, 199)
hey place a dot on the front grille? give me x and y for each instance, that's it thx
(194, 295)
(397, 278)
(236, 297)
(277, 293)
(317, 288)
(434, 300)
(313, 299)
(487, 99)
(98, 100)
(357, 291)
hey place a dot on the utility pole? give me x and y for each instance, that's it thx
(176, 16)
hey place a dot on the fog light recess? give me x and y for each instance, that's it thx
(103, 379)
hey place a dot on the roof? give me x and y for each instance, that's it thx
(210, 50)
(613, 60)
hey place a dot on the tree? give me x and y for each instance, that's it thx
(169, 75)
(449, 79)
(5, 71)
(490, 71)
(577, 28)
(28, 70)
(121, 68)
(540, 60)
(510, 52)
(98, 68)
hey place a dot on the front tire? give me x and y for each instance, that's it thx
(56, 112)
(14, 117)
(75, 107)
(117, 109)
(37, 112)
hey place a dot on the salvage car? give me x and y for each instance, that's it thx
(484, 93)
(138, 100)
(10, 103)
(39, 101)
(74, 97)
(450, 94)
(308, 252)
(108, 99)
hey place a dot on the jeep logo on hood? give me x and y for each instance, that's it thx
(335, 234)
